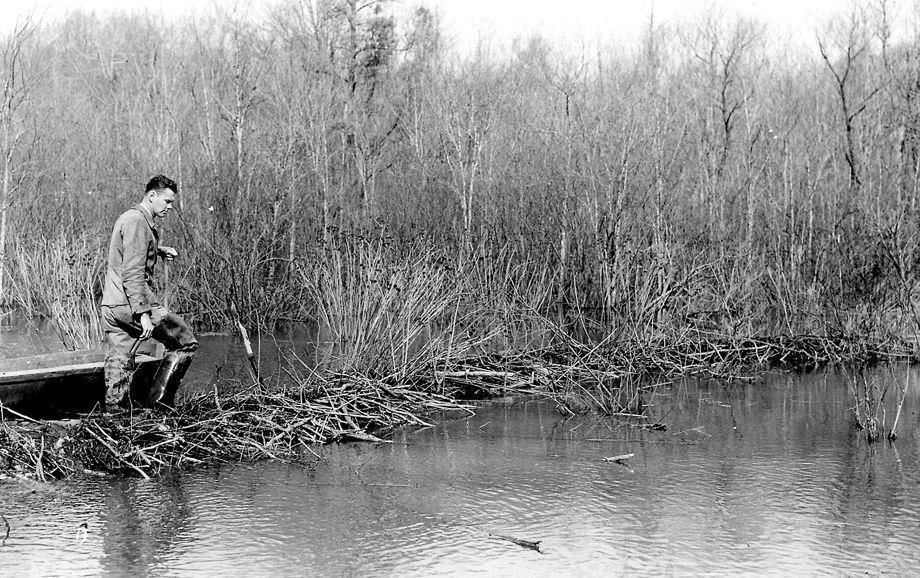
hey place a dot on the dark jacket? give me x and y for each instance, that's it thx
(132, 258)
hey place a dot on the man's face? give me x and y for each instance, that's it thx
(161, 201)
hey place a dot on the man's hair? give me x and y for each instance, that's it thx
(161, 182)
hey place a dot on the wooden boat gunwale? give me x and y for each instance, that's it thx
(50, 385)
(45, 371)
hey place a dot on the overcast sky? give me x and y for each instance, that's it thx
(505, 19)
(590, 17)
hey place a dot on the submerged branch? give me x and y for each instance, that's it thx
(530, 544)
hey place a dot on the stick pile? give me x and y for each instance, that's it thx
(252, 424)
(282, 423)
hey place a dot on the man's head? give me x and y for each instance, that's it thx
(160, 195)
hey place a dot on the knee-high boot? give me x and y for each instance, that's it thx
(169, 375)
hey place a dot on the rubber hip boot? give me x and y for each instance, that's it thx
(118, 371)
(168, 377)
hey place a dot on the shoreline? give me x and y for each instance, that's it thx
(282, 422)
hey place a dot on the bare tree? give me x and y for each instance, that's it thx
(724, 65)
(853, 44)
(15, 90)
(468, 114)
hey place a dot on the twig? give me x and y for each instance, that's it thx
(892, 435)
(3, 408)
(115, 454)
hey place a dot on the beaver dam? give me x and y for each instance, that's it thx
(746, 476)
(302, 407)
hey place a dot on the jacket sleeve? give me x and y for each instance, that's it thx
(134, 259)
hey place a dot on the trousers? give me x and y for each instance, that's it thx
(122, 328)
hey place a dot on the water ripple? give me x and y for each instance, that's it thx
(761, 479)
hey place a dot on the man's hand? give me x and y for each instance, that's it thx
(146, 326)
(168, 253)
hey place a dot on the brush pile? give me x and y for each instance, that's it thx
(284, 421)
(252, 424)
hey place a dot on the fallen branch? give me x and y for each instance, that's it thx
(532, 545)
(115, 454)
(509, 375)
(4, 409)
(360, 436)
(619, 459)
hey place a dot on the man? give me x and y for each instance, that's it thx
(130, 308)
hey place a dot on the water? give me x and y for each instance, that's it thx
(761, 478)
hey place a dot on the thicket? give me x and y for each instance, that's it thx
(703, 181)
(526, 219)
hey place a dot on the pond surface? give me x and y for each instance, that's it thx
(764, 477)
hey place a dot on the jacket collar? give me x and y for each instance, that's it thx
(147, 215)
